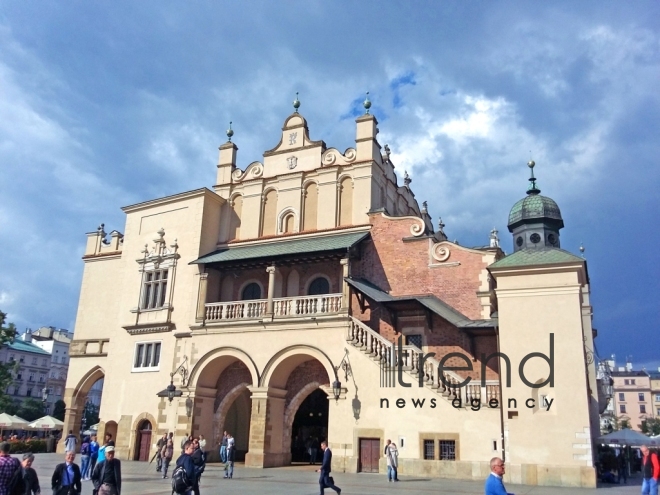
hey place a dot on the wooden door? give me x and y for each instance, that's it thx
(145, 445)
(369, 455)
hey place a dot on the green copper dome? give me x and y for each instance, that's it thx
(535, 207)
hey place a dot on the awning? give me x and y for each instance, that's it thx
(283, 248)
(428, 302)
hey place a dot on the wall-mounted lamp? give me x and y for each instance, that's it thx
(170, 391)
(345, 366)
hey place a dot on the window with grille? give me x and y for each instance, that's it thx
(642, 409)
(155, 289)
(641, 397)
(622, 396)
(657, 397)
(447, 450)
(147, 356)
(622, 408)
(429, 450)
(319, 286)
(632, 382)
(415, 340)
(251, 292)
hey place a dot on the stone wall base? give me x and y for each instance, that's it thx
(267, 460)
(523, 474)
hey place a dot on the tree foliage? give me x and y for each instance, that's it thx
(650, 426)
(31, 409)
(7, 335)
(59, 409)
(91, 414)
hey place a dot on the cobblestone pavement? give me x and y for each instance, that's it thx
(141, 478)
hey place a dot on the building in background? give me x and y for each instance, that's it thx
(56, 342)
(655, 391)
(635, 395)
(31, 375)
(275, 304)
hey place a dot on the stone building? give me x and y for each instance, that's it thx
(31, 374)
(56, 342)
(308, 296)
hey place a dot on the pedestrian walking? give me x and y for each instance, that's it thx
(622, 467)
(84, 458)
(223, 448)
(392, 455)
(107, 474)
(166, 454)
(202, 442)
(93, 456)
(66, 477)
(159, 446)
(11, 472)
(325, 480)
(70, 442)
(231, 456)
(184, 476)
(494, 484)
(199, 460)
(650, 471)
(30, 478)
(102, 449)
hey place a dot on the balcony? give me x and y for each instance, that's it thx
(301, 306)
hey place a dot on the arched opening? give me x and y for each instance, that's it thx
(81, 406)
(251, 291)
(142, 440)
(237, 422)
(287, 223)
(111, 429)
(235, 218)
(310, 428)
(319, 285)
(346, 201)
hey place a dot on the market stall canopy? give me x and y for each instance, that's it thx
(628, 437)
(47, 423)
(9, 422)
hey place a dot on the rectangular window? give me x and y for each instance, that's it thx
(657, 397)
(657, 411)
(641, 397)
(429, 450)
(154, 290)
(11, 358)
(44, 362)
(147, 356)
(447, 450)
(622, 396)
(622, 408)
(632, 382)
(41, 378)
(21, 359)
(31, 377)
(642, 409)
(626, 382)
(34, 360)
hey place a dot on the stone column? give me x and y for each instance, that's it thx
(72, 418)
(271, 289)
(201, 297)
(345, 273)
(266, 428)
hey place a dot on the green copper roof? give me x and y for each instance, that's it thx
(534, 206)
(284, 247)
(541, 256)
(22, 346)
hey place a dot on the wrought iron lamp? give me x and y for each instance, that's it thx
(171, 391)
(345, 366)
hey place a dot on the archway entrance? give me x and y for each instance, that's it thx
(310, 428)
(81, 402)
(143, 441)
(237, 422)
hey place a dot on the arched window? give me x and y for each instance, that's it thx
(235, 220)
(287, 223)
(319, 286)
(310, 211)
(251, 291)
(346, 201)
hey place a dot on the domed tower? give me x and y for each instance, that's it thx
(535, 220)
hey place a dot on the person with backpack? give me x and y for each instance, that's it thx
(70, 442)
(93, 456)
(84, 456)
(166, 454)
(30, 477)
(199, 460)
(184, 477)
(11, 472)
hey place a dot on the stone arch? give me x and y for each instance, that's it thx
(216, 361)
(75, 399)
(345, 192)
(292, 409)
(282, 220)
(285, 361)
(269, 212)
(310, 205)
(235, 215)
(315, 276)
(220, 415)
(135, 434)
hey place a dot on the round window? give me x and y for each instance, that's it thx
(519, 241)
(552, 239)
(535, 238)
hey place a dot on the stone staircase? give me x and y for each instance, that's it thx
(387, 355)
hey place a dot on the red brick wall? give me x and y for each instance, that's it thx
(307, 372)
(402, 268)
(233, 375)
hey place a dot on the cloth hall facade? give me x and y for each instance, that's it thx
(291, 301)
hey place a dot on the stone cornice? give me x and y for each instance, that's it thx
(144, 328)
(174, 199)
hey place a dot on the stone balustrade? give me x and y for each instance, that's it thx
(282, 307)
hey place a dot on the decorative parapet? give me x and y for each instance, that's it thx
(98, 245)
(156, 327)
(89, 348)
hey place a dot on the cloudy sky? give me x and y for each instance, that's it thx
(105, 104)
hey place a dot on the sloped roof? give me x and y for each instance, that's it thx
(537, 256)
(282, 248)
(22, 346)
(430, 302)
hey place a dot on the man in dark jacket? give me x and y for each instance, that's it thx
(199, 460)
(186, 461)
(326, 468)
(66, 478)
(107, 474)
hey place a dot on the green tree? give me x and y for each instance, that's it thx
(31, 409)
(91, 414)
(650, 426)
(7, 335)
(7, 405)
(59, 409)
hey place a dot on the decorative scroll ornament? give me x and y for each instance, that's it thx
(332, 155)
(440, 253)
(418, 229)
(255, 169)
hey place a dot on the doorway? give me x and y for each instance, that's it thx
(143, 441)
(310, 428)
(370, 454)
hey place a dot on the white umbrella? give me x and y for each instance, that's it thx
(628, 437)
(7, 421)
(47, 423)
